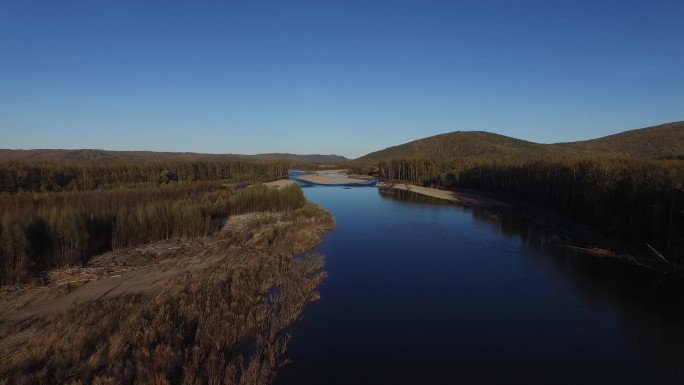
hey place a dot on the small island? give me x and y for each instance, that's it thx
(331, 178)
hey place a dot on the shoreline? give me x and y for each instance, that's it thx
(575, 236)
(331, 178)
(571, 235)
(155, 287)
(463, 198)
(143, 268)
(328, 180)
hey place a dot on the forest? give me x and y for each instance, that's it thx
(90, 175)
(636, 200)
(665, 141)
(59, 214)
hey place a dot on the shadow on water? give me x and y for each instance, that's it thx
(650, 305)
(423, 290)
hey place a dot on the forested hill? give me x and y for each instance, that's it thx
(47, 155)
(467, 144)
(658, 142)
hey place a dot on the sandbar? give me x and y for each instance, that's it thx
(330, 179)
(453, 196)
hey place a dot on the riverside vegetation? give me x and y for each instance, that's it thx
(629, 186)
(57, 214)
(199, 286)
(639, 201)
(169, 272)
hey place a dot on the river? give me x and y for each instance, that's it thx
(423, 291)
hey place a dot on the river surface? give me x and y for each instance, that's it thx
(423, 291)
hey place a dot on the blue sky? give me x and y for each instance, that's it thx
(343, 77)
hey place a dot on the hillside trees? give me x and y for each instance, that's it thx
(637, 200)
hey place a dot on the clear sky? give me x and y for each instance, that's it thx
(345, 77)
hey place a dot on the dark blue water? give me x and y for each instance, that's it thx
(422, 292)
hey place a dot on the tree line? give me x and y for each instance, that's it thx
(630, 199)
(39, 231)
(91, 175)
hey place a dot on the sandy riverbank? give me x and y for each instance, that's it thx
(341, 171)
(453, 196)
(321, 177)
(330, 179)
(568, 233)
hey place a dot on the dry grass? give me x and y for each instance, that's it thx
(224, 322)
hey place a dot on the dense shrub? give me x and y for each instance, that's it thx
(51, 229)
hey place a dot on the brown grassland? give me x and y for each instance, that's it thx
(208, 310)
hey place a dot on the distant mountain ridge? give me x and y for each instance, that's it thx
(657, 142)
(50, 155)
(466, 144)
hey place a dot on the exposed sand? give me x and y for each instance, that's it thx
(280, 183)
(330, 179)
(453, 196)
(145, 268)
(341, 171)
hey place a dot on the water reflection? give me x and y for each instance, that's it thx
(648, 306)
(420, 290)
